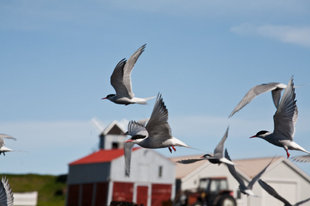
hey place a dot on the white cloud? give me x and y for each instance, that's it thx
(287, 34)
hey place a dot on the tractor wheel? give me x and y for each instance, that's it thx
(226, 200)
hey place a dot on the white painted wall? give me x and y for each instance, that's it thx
(145, 165)
(26, 199)
(281, 175)
(110, 138)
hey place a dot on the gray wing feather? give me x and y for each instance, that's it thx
(158, 127)
(7, 136)
(136, 129)
(257, 177)
(127, 155)
(276, 95)
(286, 114)
(233, 171)
(218, 151)
(128, 68)
(121, 76)
(117, 80)
(302, 202)
(254, 91)
(143, 122)
(6, 194)
(189, 161)
(2, 136)
(273, 192)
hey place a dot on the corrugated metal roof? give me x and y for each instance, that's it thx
(101, 156)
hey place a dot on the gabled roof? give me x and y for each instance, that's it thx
(183, 170)
(101, 156)
(113, 128)
(247, 167)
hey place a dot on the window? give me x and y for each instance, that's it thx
(160, 171)
(114, 145)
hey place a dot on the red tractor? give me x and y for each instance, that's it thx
(212, 191)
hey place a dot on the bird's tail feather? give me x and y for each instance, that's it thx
(144, 100)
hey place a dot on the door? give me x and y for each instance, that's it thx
(142, 195)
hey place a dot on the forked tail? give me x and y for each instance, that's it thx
(143, 100)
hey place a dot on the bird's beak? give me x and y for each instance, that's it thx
(253, 136)
(103, 98)
(130, 140)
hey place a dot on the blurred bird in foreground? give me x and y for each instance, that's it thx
(6, 194)
(244, 189)
(275, 194)
(121, 81)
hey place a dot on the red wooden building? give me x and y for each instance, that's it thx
(99, 178)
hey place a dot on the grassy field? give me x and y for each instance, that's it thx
(51, 188)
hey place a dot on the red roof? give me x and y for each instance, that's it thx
(101, 156)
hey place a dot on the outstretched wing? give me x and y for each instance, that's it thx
(121, 76)
(286, 114)
(2, 136)
(6, 194)
(273, 192)
(158, 127)
(128, 68)
(257, 90)
(189, 161)
(302, 202)
(233, 171)
(136, 130)
(127, 155)
(257, 177)
(218, 151)
(117, 80)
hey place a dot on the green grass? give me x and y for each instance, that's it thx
(51, 188)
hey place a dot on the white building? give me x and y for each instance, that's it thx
(25, 198)
(99, 178)
(291, 182)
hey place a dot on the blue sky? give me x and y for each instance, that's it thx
(56, 59)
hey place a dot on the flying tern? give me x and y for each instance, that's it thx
(275, 194)
(121, 81)
(3, 148)
(274, 87)
(284, 122)
(242, 187)
(155, 134)
(6, 194)
(217, 157)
